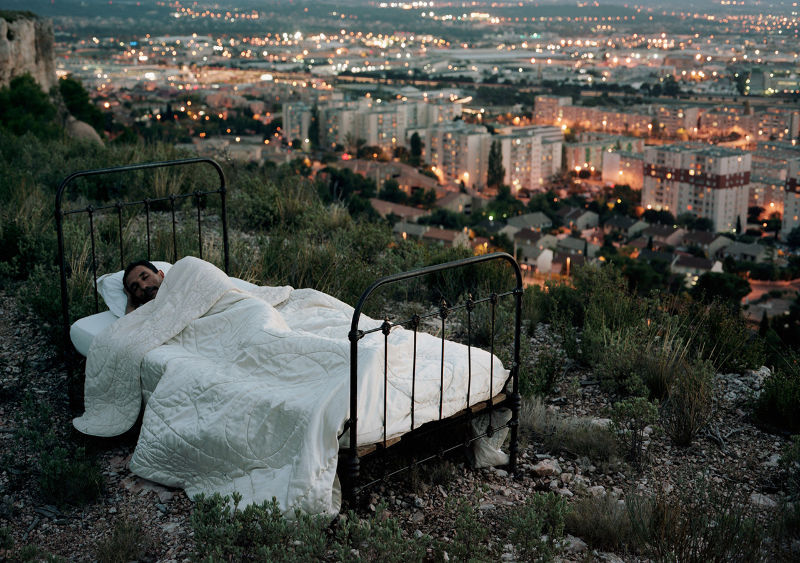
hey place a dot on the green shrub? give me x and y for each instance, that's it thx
(129, 541)
(69, 476)
(576, 436)
(689, 404)
(779, 401)
(6, 539)
(700, 525)
(259, 532)
(537, 527)
(629, 419)
(377, 538)
(538, 374)
(470, 536)
(790, 463)
(602, 522)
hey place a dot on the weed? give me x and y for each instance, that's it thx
(576, 436)
(689, 405)
(629, 421)
(602, 521)
(779, 401)
(378, 538)
(129, 541)
(6, 539)
(470, 537)
(536, 527)
(706, 524)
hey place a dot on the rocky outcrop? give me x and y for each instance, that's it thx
(26, 46)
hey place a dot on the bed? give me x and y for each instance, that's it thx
(323, 385)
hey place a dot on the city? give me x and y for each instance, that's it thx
(695, 110)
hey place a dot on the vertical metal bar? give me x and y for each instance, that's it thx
(90, 210)
(224, 213)
(516, 400)
(470, 307)
(147, 217)
(443, 314)
(121, 244)
(415, 325)
(352, 465)
(174, 231)
(493, 300)
(199, 227)
(385, 329)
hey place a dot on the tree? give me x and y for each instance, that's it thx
(793, 238)
(25, 107)
(416, 149)
(495, 173)
(76, 98)
(728, 288)
(391, 192)
(313, 127)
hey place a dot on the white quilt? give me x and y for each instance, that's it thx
(248, 391)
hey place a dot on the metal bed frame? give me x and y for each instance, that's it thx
(350, 458)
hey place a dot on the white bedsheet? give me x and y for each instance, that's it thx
(248, 391)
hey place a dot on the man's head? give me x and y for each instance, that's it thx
(141, 281)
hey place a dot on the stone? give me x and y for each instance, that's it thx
(574, 545)
(596, 491)
(546, 468)
(762, 501)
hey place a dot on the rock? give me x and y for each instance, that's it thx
(596, 491)
(565, 492)
(487, 506)
(566, 477)
(574, 545)
(601, 422)
(773, 461)
(501, 472)
(546, 468)
(762, 501)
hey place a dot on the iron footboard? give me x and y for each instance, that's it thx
(350, 465)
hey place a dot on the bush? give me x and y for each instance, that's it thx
(779, 401)
(537, 527)
(577, 436)
(129, 541)
(689, 404)
(629, 420)
(695, 526)
(538, 374)
(602, 521)
(790, 463)
(259, 532)
(377, 538)
(470, 536)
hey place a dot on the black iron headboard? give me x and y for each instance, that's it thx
(91, 210)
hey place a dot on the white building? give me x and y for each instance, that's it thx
(791, 202)
(710, 182)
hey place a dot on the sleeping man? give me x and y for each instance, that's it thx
(141, 281)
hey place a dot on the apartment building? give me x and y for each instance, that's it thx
(622, 167)
(459, 151)
(708, 181)
(521, 151)
(791, 202)
(296, 120)
(548, 110)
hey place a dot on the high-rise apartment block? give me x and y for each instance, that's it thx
(791, 202)
(707, 181)
(458, 150)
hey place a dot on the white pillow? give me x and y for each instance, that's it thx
(110, 288)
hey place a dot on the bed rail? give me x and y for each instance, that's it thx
(116, 207)
(351, 458)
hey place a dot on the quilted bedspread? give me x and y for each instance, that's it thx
(248, 391)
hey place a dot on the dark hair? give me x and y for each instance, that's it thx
(132, 265)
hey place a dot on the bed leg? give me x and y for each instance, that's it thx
(513, 448)
(352, 470)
